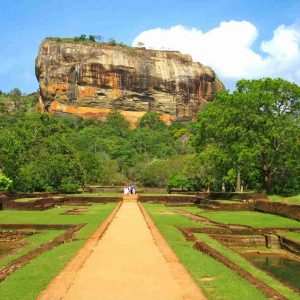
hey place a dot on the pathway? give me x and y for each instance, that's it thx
(126, 264)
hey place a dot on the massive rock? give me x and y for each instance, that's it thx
(89, 79)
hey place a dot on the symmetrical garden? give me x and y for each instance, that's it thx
(220, 242)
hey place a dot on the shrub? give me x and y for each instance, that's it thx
(69, 188)
(5, 183)
(49, 189)
(180, 182)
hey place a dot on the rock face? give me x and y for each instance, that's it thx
(90, 79)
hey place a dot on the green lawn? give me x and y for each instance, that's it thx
(34, 199)
(95, 195)
(191, 209)
(166, 195)
(292, 235)
(72, 195)
(249, 218)
(292, 199)
(27, 282)
(216, 280)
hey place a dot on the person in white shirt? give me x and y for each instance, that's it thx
(126, 190)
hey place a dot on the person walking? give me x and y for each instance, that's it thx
(126, 190)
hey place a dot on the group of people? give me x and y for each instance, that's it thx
(129, 189)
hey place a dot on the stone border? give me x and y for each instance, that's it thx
(190, 288)
(47, 203)
(27, 257)
(188, 233)
(287, 210)
(266, 289)
(60, 284)
(168, 199)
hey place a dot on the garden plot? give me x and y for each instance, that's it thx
(215, 268)
(55, 238)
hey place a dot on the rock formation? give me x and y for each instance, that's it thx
(89, 79)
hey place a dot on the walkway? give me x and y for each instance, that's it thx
(126, 264)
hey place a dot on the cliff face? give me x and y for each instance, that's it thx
(89, 79)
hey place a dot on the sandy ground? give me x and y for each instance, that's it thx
(127, 264)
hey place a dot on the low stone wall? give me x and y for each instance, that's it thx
(238, 206)
(240, 240)
(291, 211)
(290, 244)
(203, 197)
(30, 195)
(266, 289)
(14, 235)
(46, 203)
(287, 210)
(168, 199)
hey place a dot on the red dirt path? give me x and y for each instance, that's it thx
(131, 261)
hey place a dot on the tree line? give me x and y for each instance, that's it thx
(248, 140)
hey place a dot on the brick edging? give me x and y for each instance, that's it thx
(60, 284)
(190, 288)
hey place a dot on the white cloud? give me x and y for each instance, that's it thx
(228, 49)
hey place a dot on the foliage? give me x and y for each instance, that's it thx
(68, 188)
(248, 139)
(179, 181)
(112, 42)
(41, 152)
(256, 130)
(14, 102)
(151, 120)
(5, 182)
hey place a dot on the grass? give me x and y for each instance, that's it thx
(166, 195)
(27, 282)
(227, 201)
(31, 242)
(249, 218)
(216, 280)
(290, 234)
(191, 209)
(292, 199)
(34, 199)
(246, 265)
(95, 195)
(71, 195)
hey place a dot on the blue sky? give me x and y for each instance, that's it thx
(25, 23)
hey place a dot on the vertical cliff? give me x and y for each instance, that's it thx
(89, 79)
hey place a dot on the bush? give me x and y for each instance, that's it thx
(5, 183)
(179, 181)
(68, 188)
(49, 189)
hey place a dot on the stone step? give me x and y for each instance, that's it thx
(273, 241)
(131, 198)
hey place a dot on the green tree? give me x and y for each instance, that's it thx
(112, 42)
(152, 120)
(15, 92)
(257, 128)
